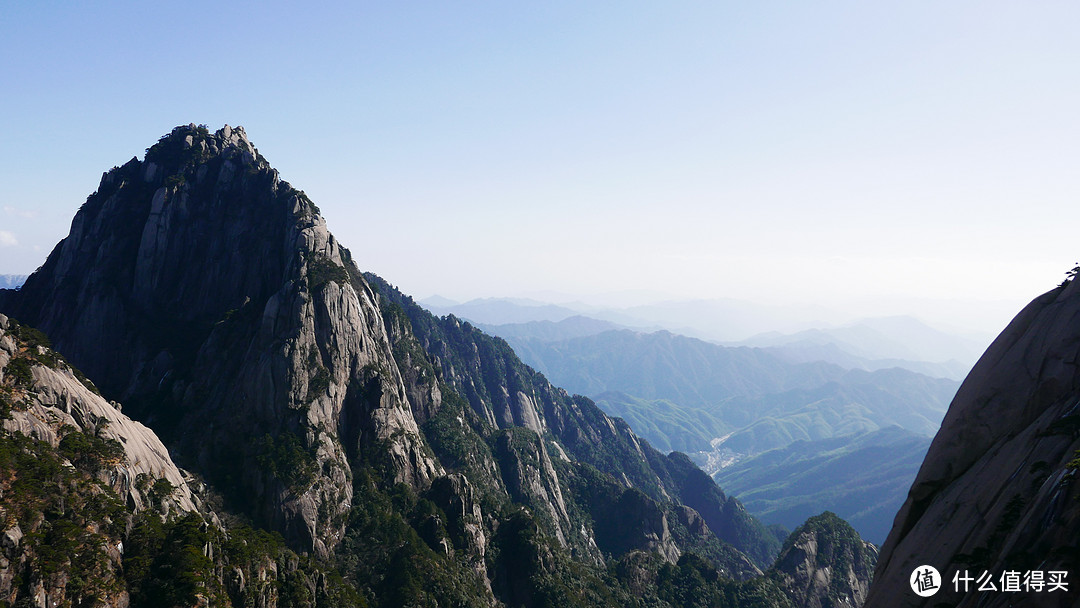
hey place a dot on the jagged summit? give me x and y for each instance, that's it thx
(207, 295)
(193, 230)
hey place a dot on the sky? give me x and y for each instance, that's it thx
(871, 157)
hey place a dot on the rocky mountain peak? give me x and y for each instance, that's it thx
(825, 564)
(207, 295)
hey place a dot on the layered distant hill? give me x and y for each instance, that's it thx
(724, 405)
(878, 344)
(868, 474)
(12, 281)
(752, 397)
(868, 344)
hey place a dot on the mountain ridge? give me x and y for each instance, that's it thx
(413, 455)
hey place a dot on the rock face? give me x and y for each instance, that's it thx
(997, 493)
(53, 403)
(207, 295)
(52, 558)
(824, 564)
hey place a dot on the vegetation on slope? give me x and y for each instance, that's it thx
(868, 476)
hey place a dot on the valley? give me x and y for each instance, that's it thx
(737, 411)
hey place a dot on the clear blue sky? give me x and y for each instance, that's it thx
(799, 152)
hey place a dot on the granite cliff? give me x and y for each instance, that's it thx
(198, 289)
(996, 493)
(95, 512)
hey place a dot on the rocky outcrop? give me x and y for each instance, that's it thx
(824, 564)
(996, 492)
(530, 476)
(49, 403)
(63, 527)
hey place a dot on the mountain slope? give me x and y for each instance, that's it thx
(96, 512)
(504, 392)
(663, 365)
(824, 564)
(858, 401)
(667, 425)
(997, 489)
(682, 393)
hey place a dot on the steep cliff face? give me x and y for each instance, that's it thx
(47, 402)
(207, 295)
(824, 564)
(996, 492)
(95, 512)
(503, 393)
(87, 455)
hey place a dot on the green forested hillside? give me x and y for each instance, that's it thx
(868, 476)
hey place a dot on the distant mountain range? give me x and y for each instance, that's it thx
(728, 321)
(663, 365)
(758, 399)
(721, 319)
(878, 343)
(730, 406)
(12, 281)
(577, 326)
(867, 344)
(499, 311)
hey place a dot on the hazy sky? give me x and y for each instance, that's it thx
(824, 152)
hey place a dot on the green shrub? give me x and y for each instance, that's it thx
(90, 453)
(19, 370)
(322, 270)
(286, 458)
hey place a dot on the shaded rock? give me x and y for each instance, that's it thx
(56, 403)
(996, 491)
(824, 564)
(207, 295)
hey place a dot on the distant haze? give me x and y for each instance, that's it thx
(730, 320)
(866, 158)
